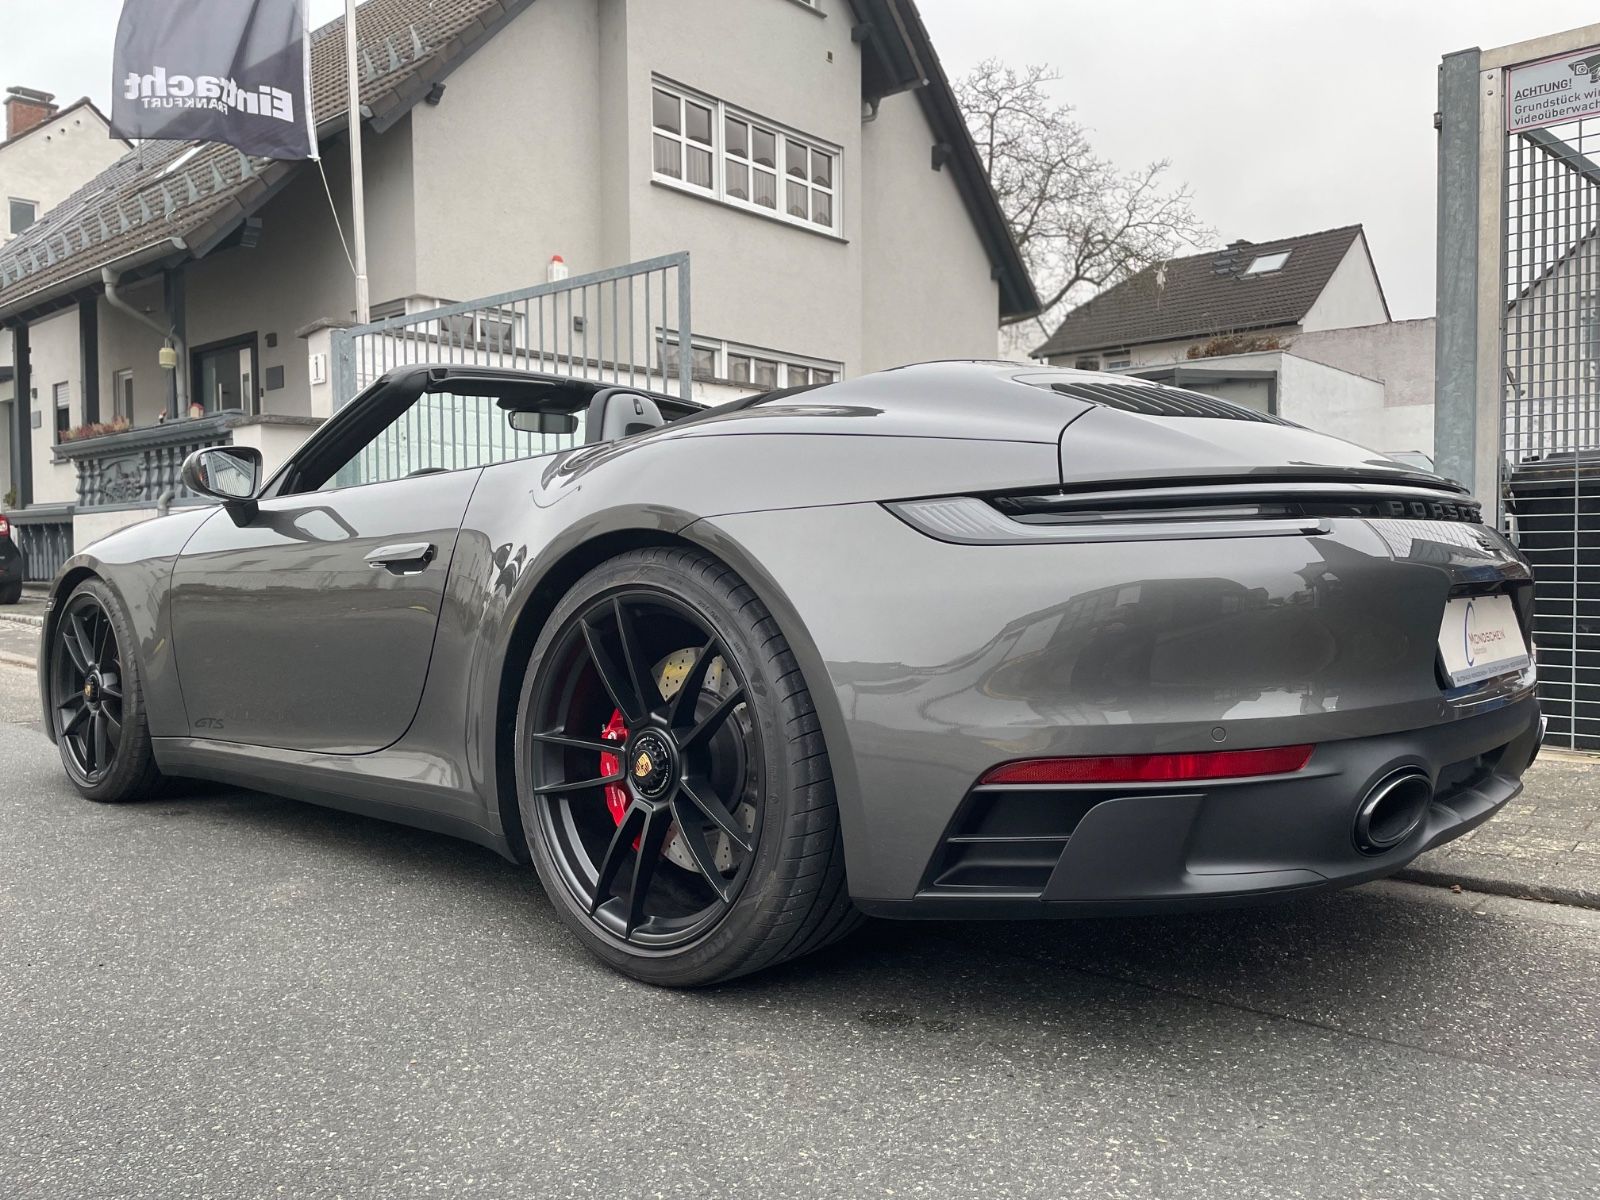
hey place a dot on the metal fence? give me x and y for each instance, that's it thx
(1550, 340)
(624, 325)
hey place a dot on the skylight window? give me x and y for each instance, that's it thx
(1261, 264)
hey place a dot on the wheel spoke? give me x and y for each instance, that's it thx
(102, 748)
(646, 859)
(561, 739)
(73, 714)
(616, 852)
(111, 685)
(694, 837)
(102, 636)
(113, 727)
(644, 685)
(76, 642)
(699, 793)
(622, 694)
(549, 789)
(683, 704)
(713, 721)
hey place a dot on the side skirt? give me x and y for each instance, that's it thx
(354, 783)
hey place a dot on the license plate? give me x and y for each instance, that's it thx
(1479, 638)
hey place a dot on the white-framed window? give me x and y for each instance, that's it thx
(749, 366)
(61, 397)
(1118, 361)
(711, 147)
(1263, 264)
(22, 213)
(122, 394)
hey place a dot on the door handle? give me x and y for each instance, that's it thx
(403, 558)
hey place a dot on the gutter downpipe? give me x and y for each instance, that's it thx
(180, 375)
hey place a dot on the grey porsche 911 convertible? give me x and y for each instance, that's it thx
(955, 640)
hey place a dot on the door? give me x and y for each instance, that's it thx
(291, 632)
(311, 625)
(224, 375)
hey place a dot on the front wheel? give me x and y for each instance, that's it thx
(97, 699)
(672, 777)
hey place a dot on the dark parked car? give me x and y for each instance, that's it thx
(955, 640)
(10, 565)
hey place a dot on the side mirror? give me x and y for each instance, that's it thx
(231, 474)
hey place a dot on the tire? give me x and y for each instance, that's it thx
(92, 622)
(11, 594)
(778, 829)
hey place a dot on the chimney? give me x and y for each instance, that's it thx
(26, 109)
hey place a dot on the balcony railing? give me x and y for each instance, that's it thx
(139, 467)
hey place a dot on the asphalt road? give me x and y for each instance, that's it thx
(225, 994)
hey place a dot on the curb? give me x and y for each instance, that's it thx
(1574, 897)
(23, 619)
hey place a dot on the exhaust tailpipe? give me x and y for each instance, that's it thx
(1392, 810)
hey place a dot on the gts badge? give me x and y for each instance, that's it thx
(208, 723)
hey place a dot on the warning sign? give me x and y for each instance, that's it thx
(1553, 90)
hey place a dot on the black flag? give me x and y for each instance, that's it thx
(234, 71)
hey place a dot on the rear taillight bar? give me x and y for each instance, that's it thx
(1152, 768)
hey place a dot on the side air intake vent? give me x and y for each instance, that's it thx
(1158, 400)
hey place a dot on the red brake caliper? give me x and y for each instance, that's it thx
(616, 730)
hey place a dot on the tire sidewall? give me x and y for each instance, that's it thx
(131, 769)
(707, 957)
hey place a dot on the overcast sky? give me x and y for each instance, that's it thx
(1284, 117)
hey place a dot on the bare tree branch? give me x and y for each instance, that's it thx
(1081, 224)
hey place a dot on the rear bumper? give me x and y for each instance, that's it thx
(1160, 848)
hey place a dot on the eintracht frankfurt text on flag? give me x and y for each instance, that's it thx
(234, 71)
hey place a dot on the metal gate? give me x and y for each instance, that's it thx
(1518, 362)
(624, 325)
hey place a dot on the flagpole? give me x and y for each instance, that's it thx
(358, 202)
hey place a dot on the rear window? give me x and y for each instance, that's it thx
(1159, 400)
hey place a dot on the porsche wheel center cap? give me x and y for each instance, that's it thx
(91, 689)
(650, 765)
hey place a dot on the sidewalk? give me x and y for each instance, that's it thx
(1544, 845)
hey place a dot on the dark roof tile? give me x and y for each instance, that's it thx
(1206, 294)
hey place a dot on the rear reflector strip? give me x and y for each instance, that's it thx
(1153, 768)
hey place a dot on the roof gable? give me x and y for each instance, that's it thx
(1205, 294)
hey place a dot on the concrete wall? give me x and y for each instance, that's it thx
(50, 163)
(756, 280)
(297, 272)
(1352, 295)
(508, 164)
(126, 344)
(926, 290)
(1398, 353)
(56, 358)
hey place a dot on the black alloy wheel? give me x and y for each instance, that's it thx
(686, 766)
(96, 702)
(86, 688)
(672, 779)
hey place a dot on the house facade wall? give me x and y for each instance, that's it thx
(926, 288)
(49, 163)
(1158, 354)
(56, 357)
(1352, 295)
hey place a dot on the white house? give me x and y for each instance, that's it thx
(1297, 326)
(47, 154)
(807, 154)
